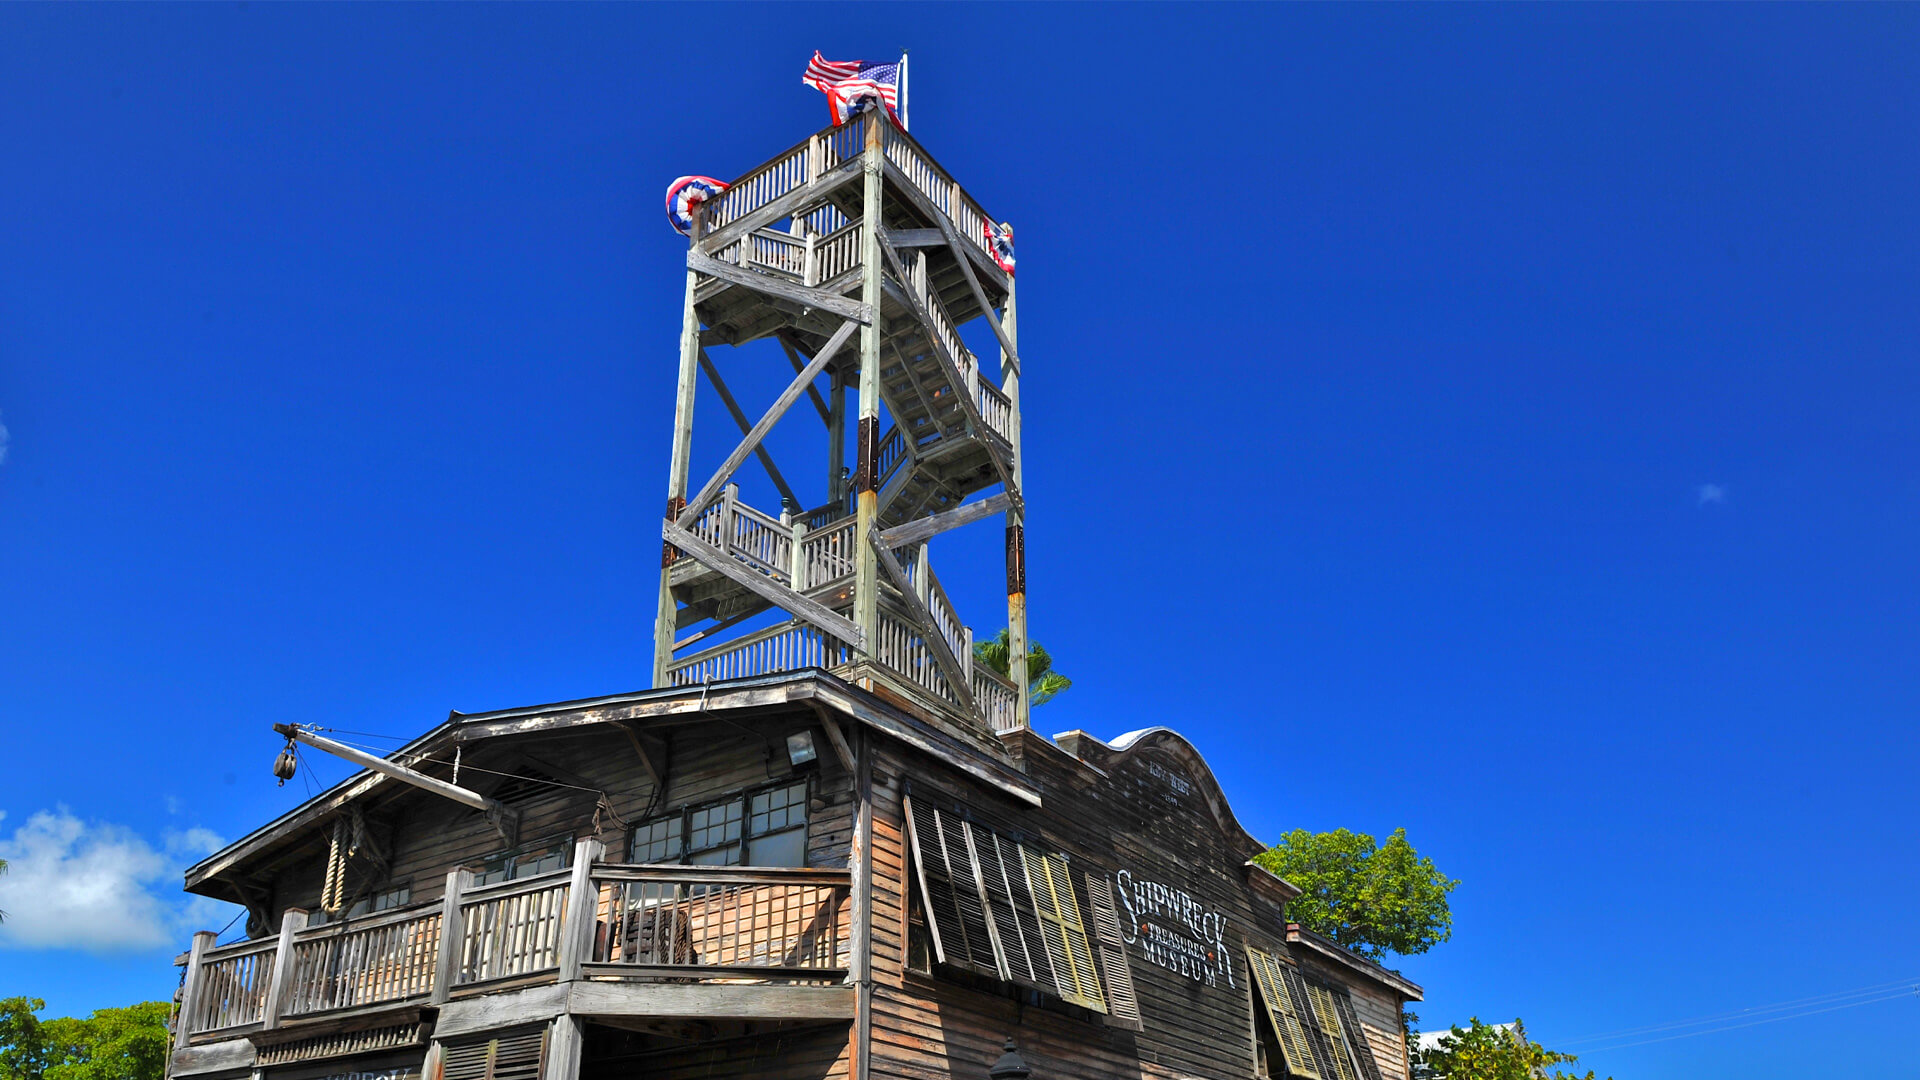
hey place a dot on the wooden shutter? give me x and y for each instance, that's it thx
(1356, 1037)
(1065, 933)
(1327, 1017)
(1270, 978)
(950, 891)
(1011, 901)
(1123, 1003)
(509, 1057)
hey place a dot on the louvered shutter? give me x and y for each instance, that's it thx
(1270, 977)
(950, 890)
(509, 1057)
(1018, 944)
(1065, 933)
(1356, 1036)
(1328, 1017)
(1123, 1005)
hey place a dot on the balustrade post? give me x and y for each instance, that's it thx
(190, 996)
(797, 574)
(446, 967)
(291, 923)
(577, 922)
(725, 517)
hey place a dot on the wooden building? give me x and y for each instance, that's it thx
(828, 847)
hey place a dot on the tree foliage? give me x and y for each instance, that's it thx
(112, 1044)
(1043, 683)
(1489, 1052)
(1371, 898)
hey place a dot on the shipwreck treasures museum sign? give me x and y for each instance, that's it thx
(1175, 931)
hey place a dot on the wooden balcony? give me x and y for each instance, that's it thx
(818, 562)
(593, 931)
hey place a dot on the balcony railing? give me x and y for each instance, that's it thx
(741, 922)
(695, 923)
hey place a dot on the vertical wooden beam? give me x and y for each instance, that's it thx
(866, 582)
(1016, 521)
(564, 1039)
(291, 923)
(583, 900)
(667, 612)
(190, 994)
(446, 966)
(860, 963)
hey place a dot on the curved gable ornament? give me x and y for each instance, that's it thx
(1199, 774)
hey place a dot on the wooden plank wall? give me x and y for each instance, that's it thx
(427, 836)
(804, 1054)
(1152, 817)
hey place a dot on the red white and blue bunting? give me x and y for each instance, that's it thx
(686, 193)
(1000, 244)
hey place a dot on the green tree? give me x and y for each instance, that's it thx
(112, 1044)
(1489, 1052)
(1371, 898)
(1043, 683)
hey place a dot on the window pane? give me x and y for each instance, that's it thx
(657, 841)
(723, 856)
(711, 826)
(780, 849)
(777, 809)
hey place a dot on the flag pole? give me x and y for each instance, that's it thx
(904, 126)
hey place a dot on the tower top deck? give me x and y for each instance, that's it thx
(863, 258)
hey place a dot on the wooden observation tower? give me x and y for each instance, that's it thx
(863, 259)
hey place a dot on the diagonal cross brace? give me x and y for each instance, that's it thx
(766, 588)
(780, 288)
(740, 418)
(773, 414)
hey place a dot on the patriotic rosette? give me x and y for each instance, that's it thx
(686, 193)
(1000, 243)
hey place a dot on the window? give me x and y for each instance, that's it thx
(1010, 911)
(1319, 1037)
(761, 827)
(525, 861)
(383, 901)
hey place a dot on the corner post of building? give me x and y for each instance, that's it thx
(190, 996)
(1016, 522)
(583, 902)
(564, 1038)
(446, 968)
(860, 878)
(866, 586)
(665, 624)
(291, 923)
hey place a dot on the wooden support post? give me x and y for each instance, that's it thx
(291, 923)
(564, 1039)
(190, 995)
(866, 582)
(667, 613)
(860, 863)
(446, 966)
(1016, 522)
(797, 566)
(583, 901)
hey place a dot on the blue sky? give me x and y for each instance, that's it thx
(1496, 421)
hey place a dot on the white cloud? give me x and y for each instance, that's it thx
(1712, 493)
(95, 885)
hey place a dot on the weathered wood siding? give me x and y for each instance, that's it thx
(426, 836)
(1157, 817)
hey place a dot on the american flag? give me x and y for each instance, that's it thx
(850, 83)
